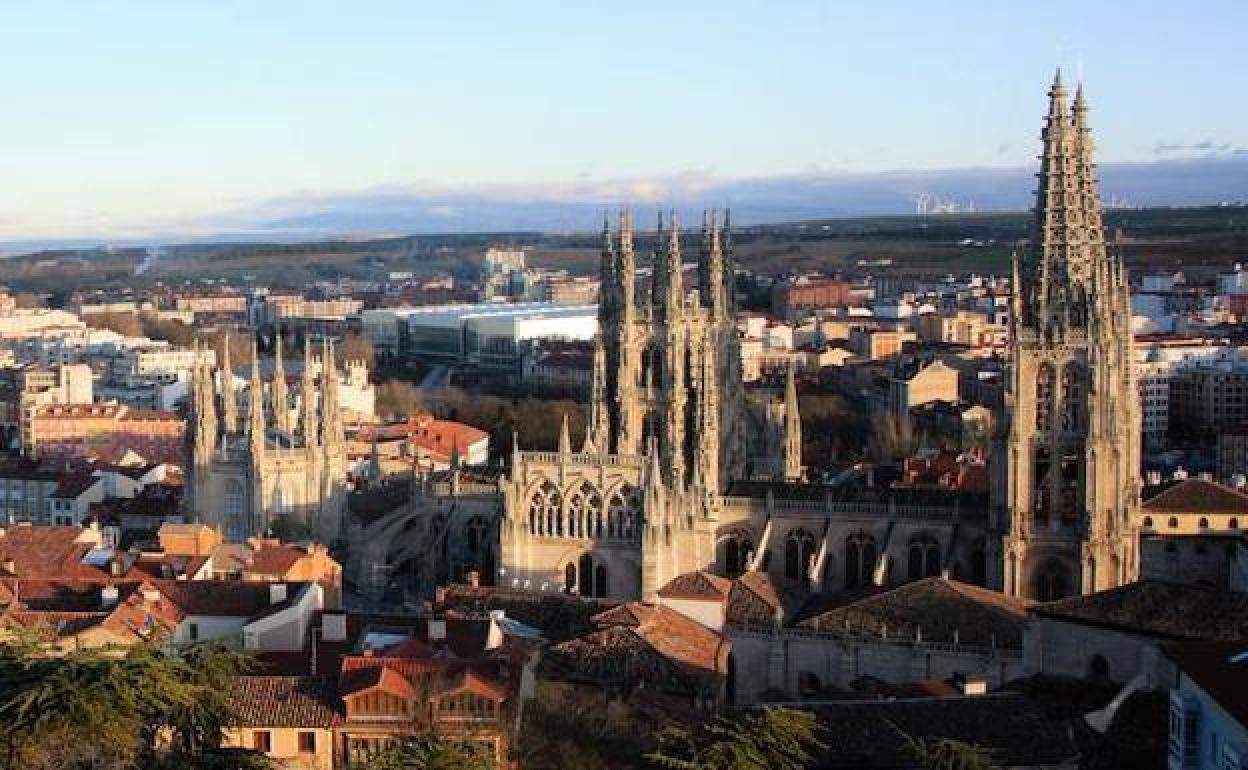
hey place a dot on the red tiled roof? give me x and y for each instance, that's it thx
(697, 585)
(1198, 496)
(46, 552)
(274, 559)
(283, 701)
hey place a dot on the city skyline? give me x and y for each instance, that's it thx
(146, 119)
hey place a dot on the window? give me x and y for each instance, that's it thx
(307, 742)
(799, 552)
(192, 631)
(262, 741)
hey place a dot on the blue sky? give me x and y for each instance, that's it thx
(124, 113)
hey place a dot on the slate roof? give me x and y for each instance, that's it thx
(1161, 609)
(935, 607)
(1198, 496)
(283, 701)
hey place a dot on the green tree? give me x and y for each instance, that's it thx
(768, 739)
(430, 753)
(101, 709)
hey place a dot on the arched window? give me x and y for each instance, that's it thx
(1098, 667)
(624, 513)
(1044, 396)
(1052, 582)
(1072, 397)
(600, 581)
(235, 509)
(583, 506)
(1204, 523)
(569, 578)
(585, 573)
(544, 509)
(808, 685)
(738, 548)
(1148, 522)
(924, 557)
(1232, 524)
(860, 556)
(1174, 523)
(799, 549)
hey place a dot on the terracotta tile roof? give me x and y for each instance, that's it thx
(470, 681)
(378, 677)
(224, 598)
(1219, 670)
(274, 560)
(283, 701)
(697, 585)
(755, 599)
(1156, 608)
(643, 644)
(46, 551)
(1198, 496)
(935, 607)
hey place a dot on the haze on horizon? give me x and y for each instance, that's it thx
(155, 116)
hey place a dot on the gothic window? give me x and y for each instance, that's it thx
(581, 509)
(1044, 396)
(737, 551)
(799, 550)
(860, 557)
(623, 513)
(235, 508)
(1072, 397)
(1052, 582)
(1041, 497)
(924, 557)
(544, 509)
(590, 576)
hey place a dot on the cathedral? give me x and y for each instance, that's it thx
(681, 470)
(255, 456)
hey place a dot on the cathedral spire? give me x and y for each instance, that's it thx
(598, 427)
(608, 291)
(331, 415)
(229, 399)
(792, 429)
(669, 296)
(308, 396)
(626, 272)
(255, 407)
(565, 439)
(277, 394)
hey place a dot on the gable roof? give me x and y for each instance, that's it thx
(1156, 608)
(1197, 496)
(283, 701)
(697, 585)
(935, 607)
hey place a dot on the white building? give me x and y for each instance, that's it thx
(1209, 707)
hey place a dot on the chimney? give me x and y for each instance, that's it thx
(108, 596)
(277, 593)
(474, 578)
(115, 567)
(494, 638)
(334, 626)
(150, 594)
(437, 630)
(10, 566)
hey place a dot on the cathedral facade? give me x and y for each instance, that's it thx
(258, 454)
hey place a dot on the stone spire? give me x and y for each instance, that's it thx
(307, 397)
(278, 395)
(229, 399)
(792, 429)
(331, 414)
(711, 269)
(599, 427)
(565, 439)
(625, 273)
(255, 408)
(670, 297)
(609, 289)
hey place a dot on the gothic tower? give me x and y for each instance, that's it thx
(1068, 461)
